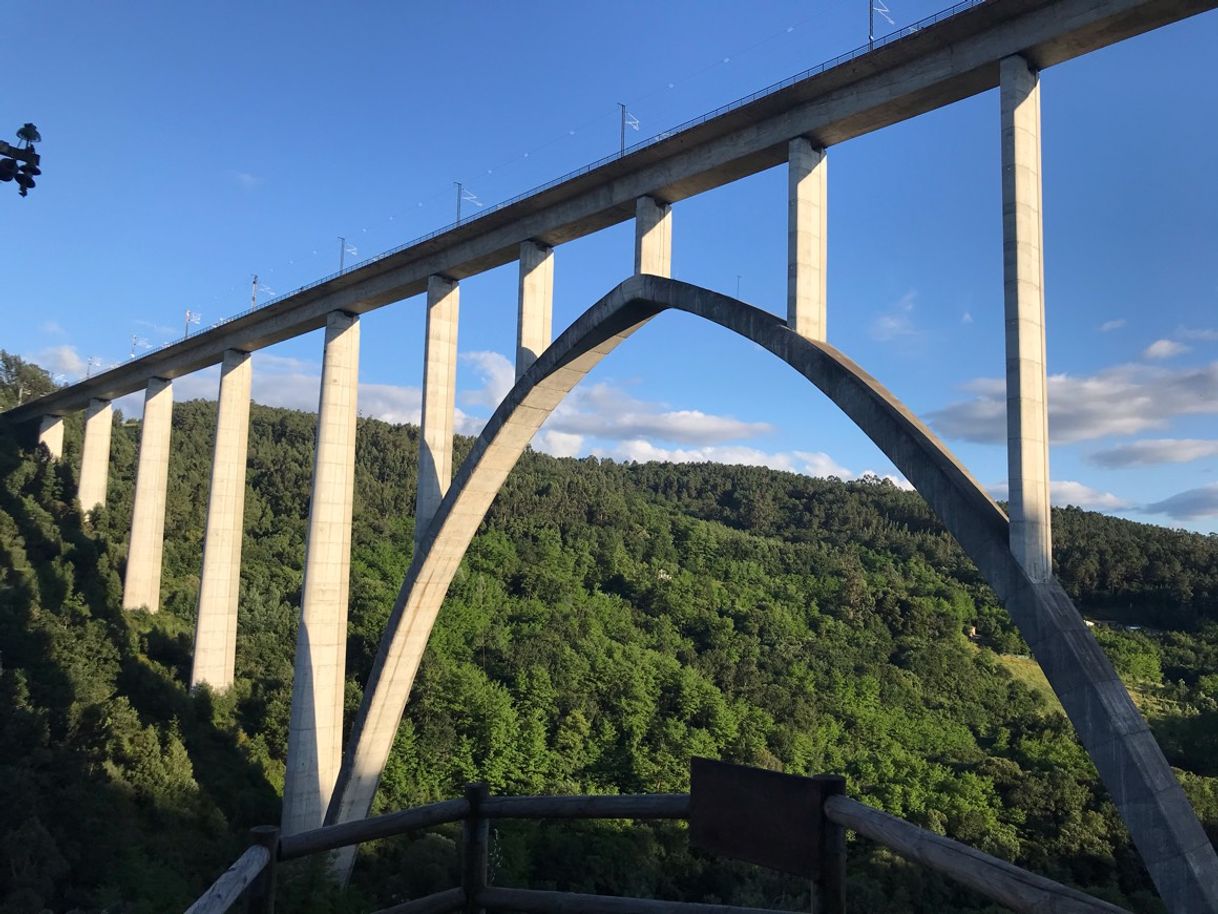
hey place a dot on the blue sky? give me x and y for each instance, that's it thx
(188, 147)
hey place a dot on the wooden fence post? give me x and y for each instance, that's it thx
(261, 893)
(477, 841)
(829, 884)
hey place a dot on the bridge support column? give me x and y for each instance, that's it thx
(1023, 293)
(216, 627)
(316, 729)
(50, 435)
(652, 237)
(95, 456)
(533, 328)
(807, 238)
(439, 399)
(142, 583)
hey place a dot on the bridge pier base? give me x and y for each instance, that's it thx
(439, 400)
(142, 582)
(315, 732)
(220, 581)
(50, 435)
(1024, 297)
(652, 237)
(95, 456)
(807, 238)
(533, 324)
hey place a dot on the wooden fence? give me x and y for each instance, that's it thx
(253, 874)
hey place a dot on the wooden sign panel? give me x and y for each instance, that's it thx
(763, 817)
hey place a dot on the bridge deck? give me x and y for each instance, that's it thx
(933, 67)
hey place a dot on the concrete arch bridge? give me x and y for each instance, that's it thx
(971, 48)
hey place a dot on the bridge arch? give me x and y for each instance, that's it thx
(1130, 763)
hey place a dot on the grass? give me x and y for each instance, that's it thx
(1026, 670)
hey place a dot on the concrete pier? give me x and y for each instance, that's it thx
(142, 583)
(1023, 293)
(50, 435)
(439, 400)
(216, 627)
(316, 730)
(533, 320)
(95, 456)
(652, 237)
(807, 238)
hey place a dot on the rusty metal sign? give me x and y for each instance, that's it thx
(763, 817)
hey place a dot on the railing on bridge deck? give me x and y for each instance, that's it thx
(717, 822)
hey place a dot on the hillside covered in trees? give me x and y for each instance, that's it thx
(609, 622)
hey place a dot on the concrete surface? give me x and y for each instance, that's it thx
(95, 455)
(1024, 298)
(439, 400)
(535, 316)
(315, 731)
(50, 435)
(652, 237)
(807, 239)
(142, 582)
(220, 580)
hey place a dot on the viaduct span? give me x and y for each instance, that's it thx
(973, 47)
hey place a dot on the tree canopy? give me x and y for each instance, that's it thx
(609, 622)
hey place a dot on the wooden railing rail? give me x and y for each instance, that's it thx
(998, 880)
(436, 903)
(232, 885)
(331, 837)
(535, 902)
(622, 806)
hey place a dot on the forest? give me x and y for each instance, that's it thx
(609, 622)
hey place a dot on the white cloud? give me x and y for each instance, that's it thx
(265, 360)
(641, 450)
(604, 420)
(62, 360)
(1164, 349)
(393, 403)
(294, 383)
(1069, 492)
(1122, 400)
(605, 411)
(558, 444)
(286, 386)
(1188, 505)
(809, 463)
(602, 411)
(1204, 334)
(246, 180)
(52, 328)
(1064, 492)
(497, 374)
(818, 463)
(617, 425)
(1109, 326)
(200, 385)
(160, 333)
(897, 322)
(966, 317)
(1152, 451)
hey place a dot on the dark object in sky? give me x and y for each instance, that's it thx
(24, 173)
(29, 134)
